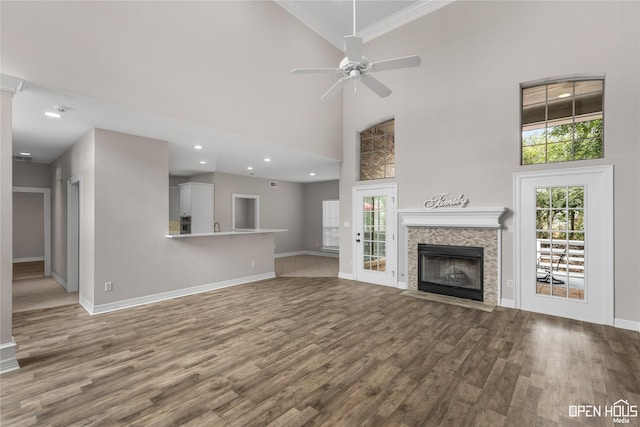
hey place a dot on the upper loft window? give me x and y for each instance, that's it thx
(377, 152)
(562, 121)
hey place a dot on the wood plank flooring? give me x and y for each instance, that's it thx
(28, 270)
(316, 352)
(306, 266)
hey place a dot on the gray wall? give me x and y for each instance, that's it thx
(28, 226)
(280, 207)
(314, 194)
(27, 174)
(457, 116)
(124, 213)
(79, 160)
(28, 209)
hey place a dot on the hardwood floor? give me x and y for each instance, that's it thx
(42, 292)
(28, 270)
(306, 266)
(313, 351)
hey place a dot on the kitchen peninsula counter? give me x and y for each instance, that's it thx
(226, 233)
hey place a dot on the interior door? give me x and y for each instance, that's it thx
(564, 243)
(375, 251)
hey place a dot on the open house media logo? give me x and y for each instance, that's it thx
(621, 412)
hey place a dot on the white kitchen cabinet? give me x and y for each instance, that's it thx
(196, 201)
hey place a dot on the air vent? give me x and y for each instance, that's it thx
(22, 158)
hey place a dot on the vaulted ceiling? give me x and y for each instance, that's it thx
(46, 138)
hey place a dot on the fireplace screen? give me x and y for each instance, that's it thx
(451, 270)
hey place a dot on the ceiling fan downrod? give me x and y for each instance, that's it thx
(354, 18)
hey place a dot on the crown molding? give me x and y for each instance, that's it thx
(302, 15)
(402, 17)
(398, 19)
(11, 84)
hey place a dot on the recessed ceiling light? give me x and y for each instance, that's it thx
(52, 114)
(202, 162)
(25, 154)
(266, 159)
(249, 168)
(312, 174)
(564, 95)
(198, 147)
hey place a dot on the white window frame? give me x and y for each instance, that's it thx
(325, 219)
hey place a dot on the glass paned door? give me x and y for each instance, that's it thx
(375, 253)
(564, 242)
(374, 239)
(560, 242)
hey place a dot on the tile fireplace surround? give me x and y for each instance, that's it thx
(479, 227)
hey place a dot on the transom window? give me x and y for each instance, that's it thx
(562, 121)
(377, 152)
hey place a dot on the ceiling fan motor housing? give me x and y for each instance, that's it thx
(352, 69)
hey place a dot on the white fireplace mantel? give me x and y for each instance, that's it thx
(457, 217)
(447, 217)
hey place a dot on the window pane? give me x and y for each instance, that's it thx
(559, 152)
(559, 132)
(561, 90)
(559, 197)
(576, 220)
(534, 137)
(533, 155)
(542, 197)
(589, 149)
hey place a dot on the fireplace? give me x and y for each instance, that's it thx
(451, 270)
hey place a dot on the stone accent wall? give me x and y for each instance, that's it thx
(457, 236)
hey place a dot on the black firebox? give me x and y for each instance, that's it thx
(451, 270)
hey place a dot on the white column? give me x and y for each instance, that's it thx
(8, 361)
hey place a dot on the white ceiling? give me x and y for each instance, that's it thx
(47, 138)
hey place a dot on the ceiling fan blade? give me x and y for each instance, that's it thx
(353, 45)
(335, 88)
(316, 70)
(392, 64)
(375, 86)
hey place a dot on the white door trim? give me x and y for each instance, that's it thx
(605, 174)
(46, 192)
(354, 220)
(74, 244)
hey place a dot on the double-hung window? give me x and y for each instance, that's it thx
(330, 225)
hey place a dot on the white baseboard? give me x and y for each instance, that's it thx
(29, 259)
(322, 253)
(8, 361)
(509, 303)
(133, 302)
(402, 285)
(59, 279)
(287, 254)
(314, 253)
(631, 325)
(345, 276)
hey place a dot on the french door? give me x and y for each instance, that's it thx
(564, 243)
(374, 234)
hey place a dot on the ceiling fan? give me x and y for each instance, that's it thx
(356, 67)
